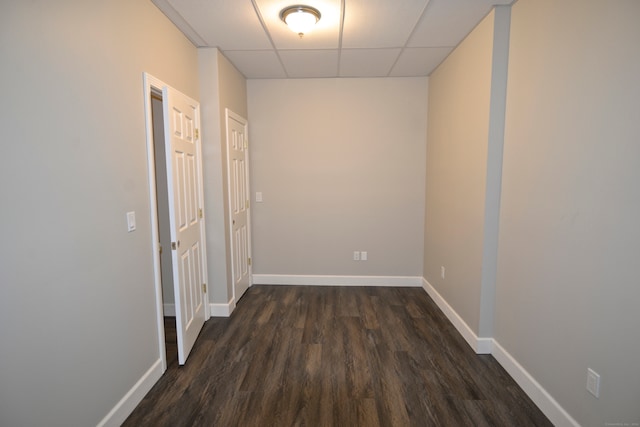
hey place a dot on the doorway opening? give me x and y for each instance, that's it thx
(176, 196)
(163, 229)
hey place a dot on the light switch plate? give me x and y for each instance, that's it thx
(131, 221)
(259, 196)
(593, 382)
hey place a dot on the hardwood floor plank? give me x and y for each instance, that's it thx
(367, 413)
(367, 311)
(333, 356)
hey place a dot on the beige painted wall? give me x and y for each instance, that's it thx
(222, 86)
(458, 131)
(340, 163)
(77, 308)
(567, 291)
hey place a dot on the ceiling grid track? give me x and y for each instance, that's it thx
(341, 32)
(179, 20)
(413, 30)
(266, 31)
(353, 38)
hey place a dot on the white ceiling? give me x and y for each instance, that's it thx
(354, 38)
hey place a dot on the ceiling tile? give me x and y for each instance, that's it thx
(325, 35)
(227, 24)
(310, 63)
(419, 61)
(248, 31)
(367, 62)
(256, 64)
(379, 23)
(447, 22)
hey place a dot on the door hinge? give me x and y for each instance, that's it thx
(249, 260)
(197, 133)
(160, 249)
(204, 288)
(246, 204)
(200, 213)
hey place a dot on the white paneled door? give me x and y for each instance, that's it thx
(238, 178)
(184, 179)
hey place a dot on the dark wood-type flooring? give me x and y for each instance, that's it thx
(335, 356)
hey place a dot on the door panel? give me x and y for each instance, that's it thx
(237, 163)
(185, 199)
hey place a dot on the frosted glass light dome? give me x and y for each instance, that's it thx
(300, 19)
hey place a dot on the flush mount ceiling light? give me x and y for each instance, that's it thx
(300, 19)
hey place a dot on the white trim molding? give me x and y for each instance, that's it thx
(547, 404)
(215, 310)
(222, 310)
(130, 400)
(153, 85)
(326, 280)
(479, 345)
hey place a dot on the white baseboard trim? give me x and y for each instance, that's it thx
(484, 345)
(547, 404)
(479, 345)
(222, 310)
(215, 310)
(326, 280)
(169, 310)
(127, 404)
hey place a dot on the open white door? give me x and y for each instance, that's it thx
(238, 178)
(184, 179)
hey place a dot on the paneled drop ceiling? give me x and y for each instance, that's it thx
(354, 38)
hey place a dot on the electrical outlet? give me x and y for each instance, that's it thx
(593, 382)
(356, 256)
(442, 271)
(363, 256)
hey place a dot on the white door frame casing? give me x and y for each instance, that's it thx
(154, 85)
